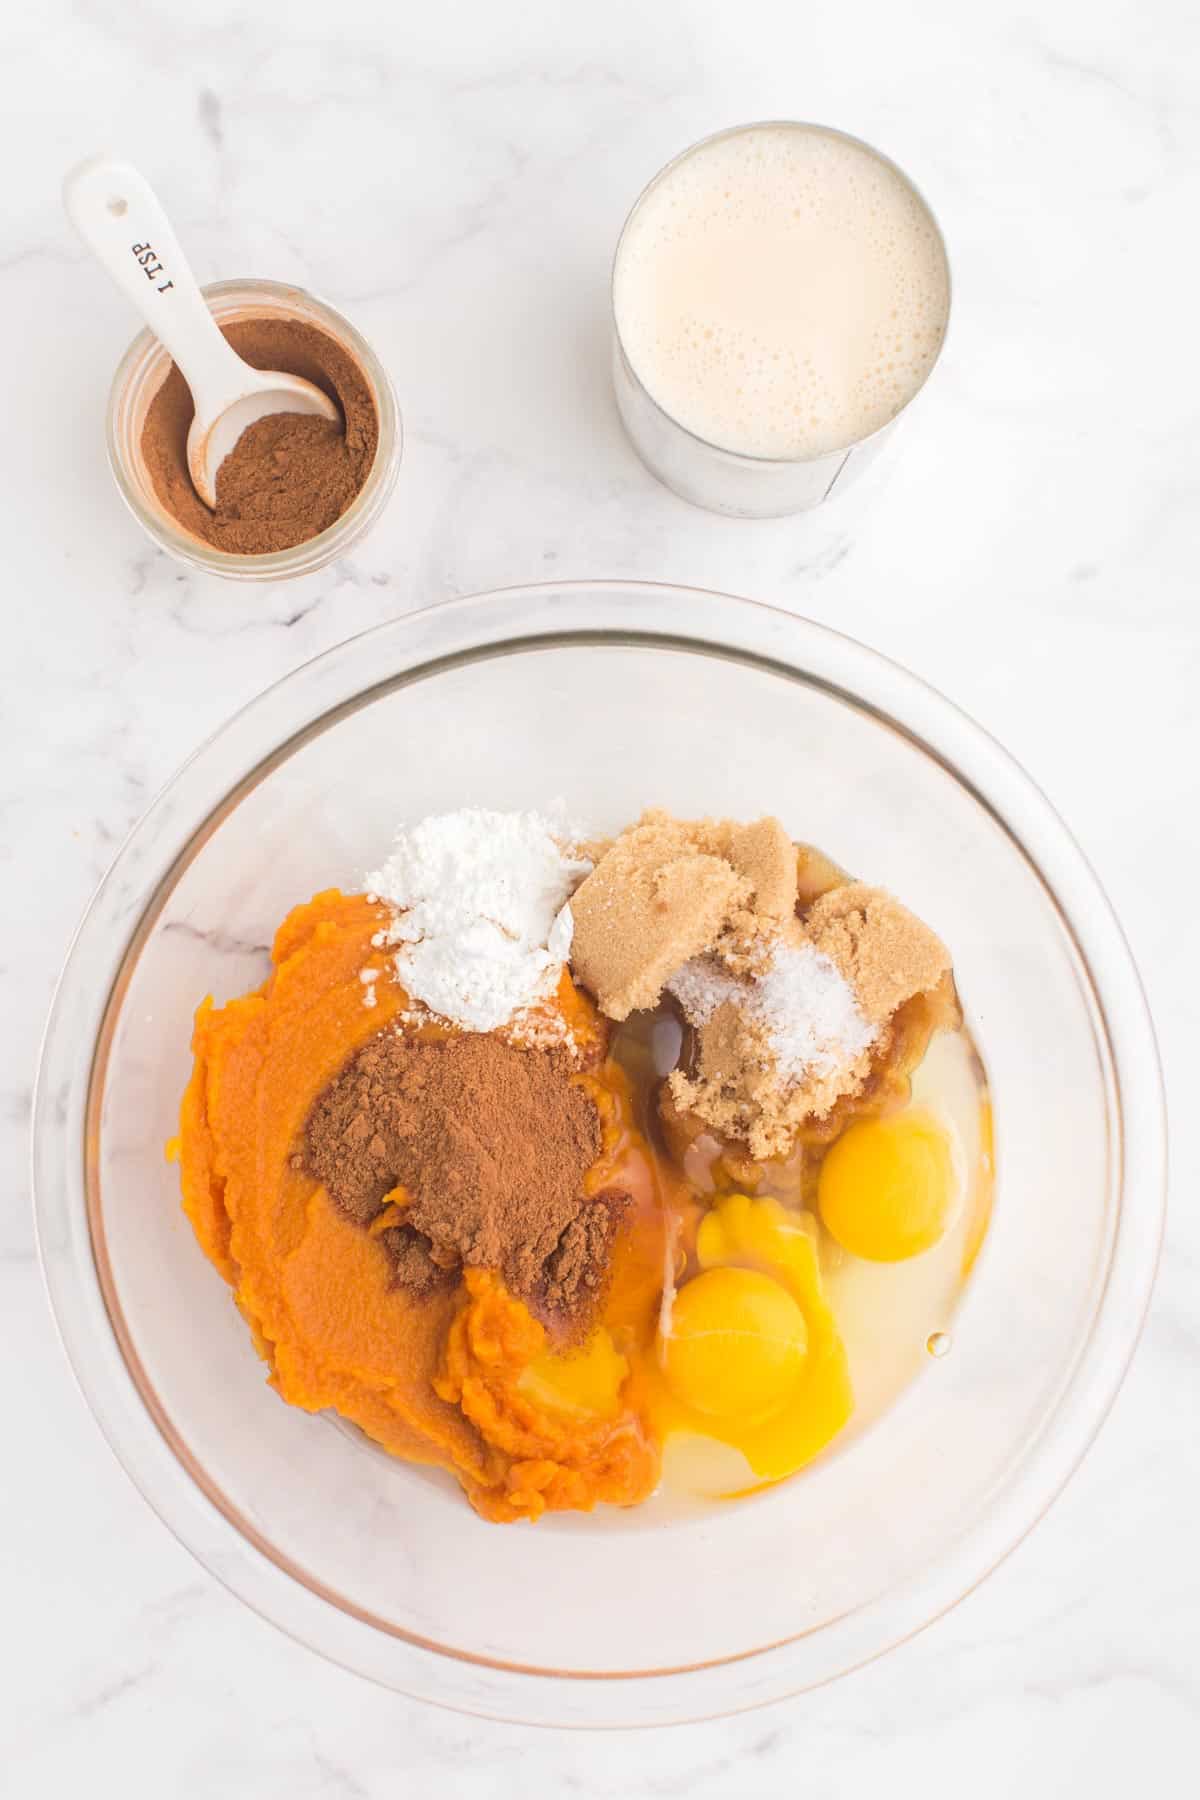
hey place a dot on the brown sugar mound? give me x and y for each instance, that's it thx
(885, 952)
(288, 477)
(737, 1089)
(666, 890)
(886, 956)
(765, 855)
(470, 1151)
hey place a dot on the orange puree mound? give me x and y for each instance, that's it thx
(431, 1379)
(558, 1462)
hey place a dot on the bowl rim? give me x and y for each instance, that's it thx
(123, 911)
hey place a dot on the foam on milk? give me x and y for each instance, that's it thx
(781, 292)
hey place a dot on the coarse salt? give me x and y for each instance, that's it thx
(802, 1001)
(480, 909)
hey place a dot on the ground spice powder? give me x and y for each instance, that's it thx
(288, 477)
(481, 1149)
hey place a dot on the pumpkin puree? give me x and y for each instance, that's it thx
(463, 1378)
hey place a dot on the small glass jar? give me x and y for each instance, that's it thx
(144, 368)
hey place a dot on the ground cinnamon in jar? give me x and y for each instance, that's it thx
(289, 476)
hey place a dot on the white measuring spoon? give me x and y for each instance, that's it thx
(117, 214)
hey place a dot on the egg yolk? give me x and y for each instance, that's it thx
(736, 1344)
(588, 1380)
(748, 1354)
(887, 1187)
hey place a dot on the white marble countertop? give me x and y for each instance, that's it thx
(454, 178)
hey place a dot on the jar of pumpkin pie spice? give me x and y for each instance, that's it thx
(139, 378)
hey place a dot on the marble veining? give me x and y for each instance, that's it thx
(455, 179)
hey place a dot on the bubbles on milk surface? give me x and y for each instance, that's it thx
(781, 292)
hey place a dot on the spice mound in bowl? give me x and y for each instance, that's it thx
(591, 1170)
(289, 476)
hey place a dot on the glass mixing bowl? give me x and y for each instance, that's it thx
(613, 696)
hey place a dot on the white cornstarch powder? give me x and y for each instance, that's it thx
(481, 914)
(803, 1003)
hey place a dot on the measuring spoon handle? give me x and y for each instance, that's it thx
(119, 217)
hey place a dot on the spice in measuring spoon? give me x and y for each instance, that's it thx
(289, 477)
